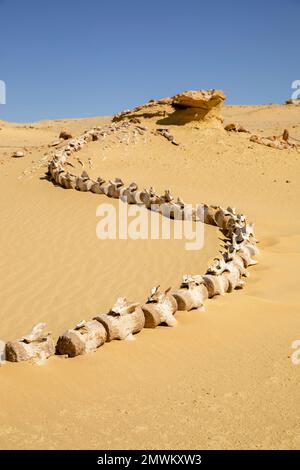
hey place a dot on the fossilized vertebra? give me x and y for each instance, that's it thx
(160, 308)
(192, 293)
(114, 188)
(36, 346)
(84, 338)
(123, 320)
(128, 194)
(230, 270)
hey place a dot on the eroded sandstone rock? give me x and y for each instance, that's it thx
(294, 102)
(199, 98)
(18, 154)
(189, 106)
(235, 127)
(64, 134)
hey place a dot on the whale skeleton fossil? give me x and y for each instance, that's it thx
(127, 318)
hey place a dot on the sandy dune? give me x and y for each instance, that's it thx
(223, 378)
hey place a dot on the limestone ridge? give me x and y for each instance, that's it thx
(199, 106)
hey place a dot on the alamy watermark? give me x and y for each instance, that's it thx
(2, 92)
(295, 86)
(167, 221)
(295, 357)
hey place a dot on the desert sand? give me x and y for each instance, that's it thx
(223, 378)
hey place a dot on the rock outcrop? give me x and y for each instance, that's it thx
(18, 154)
(190, 106)
(65, 135)
(295, 102)
(235, 127)
(205, 99)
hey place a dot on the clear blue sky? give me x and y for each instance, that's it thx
(73, 58)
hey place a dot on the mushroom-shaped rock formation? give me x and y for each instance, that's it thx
(190, 106)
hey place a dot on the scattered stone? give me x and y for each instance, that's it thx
(18, 154)
(55, 142)
(139, 131)
(135, 120)
(285, 135)
(80, 162)
(65, 135)
(165, 133)
(235, 127)
(293, 102)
